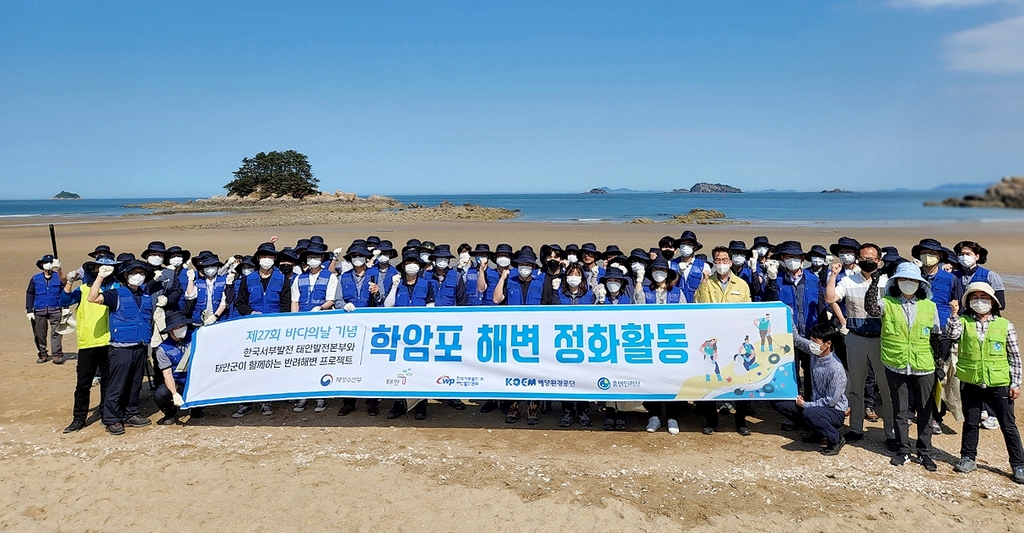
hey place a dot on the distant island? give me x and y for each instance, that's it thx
(597, 190)
(620, 190)
(836, 191)
(65, 195)
(1009, 192)
(705, 188)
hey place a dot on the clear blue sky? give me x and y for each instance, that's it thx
(132, 99)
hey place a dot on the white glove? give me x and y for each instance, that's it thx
(178, 400)
(230, 262)
(315, 309)
(844, 330)
(600, 292)
(105, 271)
(556, 283)
(230, 280)
(161, 300)
(190, 274)
(918, 262)
(772, 268)
(396, 279)
(296, 270)
(337, 252)
(72, 276)
(158, 275)
(349, 307)
(65, 312)
(31, 316)
(640, 272)
(210, 319)
(56, 264)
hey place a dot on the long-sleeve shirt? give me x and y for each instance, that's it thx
(828, 383)
(955, 330)
(874, 307)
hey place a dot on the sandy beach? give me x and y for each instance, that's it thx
(456, 471)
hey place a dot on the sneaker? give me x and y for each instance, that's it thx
(936, 428)
(653, 424)
(853, 436)
(116, 429)
(420, 411)
(990, 423)
(899, 459)
(58, 359)
(673, 426)
(584, 418)
(929, 464)
(347, 410)
(167, 421)
(396, 410)
(708, 430)
(620, 424)
(372, 409)
(892, 445)
(1018, 475)
(75, 425)
(488, 406)
(833, 449)
(567, 419)
(458, 405)
(43, 359)
(609, 424)
(266, 409)
(870, 415)
(136, 421)
(743, 431)
(513, 413)
(96, 381)
(242, 411)
(321, 406)
(966, 465)
(300, 406)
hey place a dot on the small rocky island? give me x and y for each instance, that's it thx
(596, 190)
(65, 195)
(1009, 192)
(708, 188)
(835, 191)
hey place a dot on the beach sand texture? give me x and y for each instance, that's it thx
(456, 471)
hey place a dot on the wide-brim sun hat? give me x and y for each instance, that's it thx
(910, 271)
(982, 287)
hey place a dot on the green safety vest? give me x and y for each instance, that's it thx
(984, 363)
(902, 346)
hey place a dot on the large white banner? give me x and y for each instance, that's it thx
(594, 352)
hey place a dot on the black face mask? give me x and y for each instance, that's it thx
(668, 254)
(553, 265)
(286, 267)
(867, 266)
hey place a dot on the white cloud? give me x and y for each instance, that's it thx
(996, 48)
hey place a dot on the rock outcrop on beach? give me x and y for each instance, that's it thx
(337, 208)
(696, 216)
(1009, 192)
(65, 195)
(706, 188)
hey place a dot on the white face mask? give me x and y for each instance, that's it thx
(722, 269)
(266, 263)
(847, 258)
(425, 257)
(614, 287)
(574, 281)
(358, 261)
(525, 271)
(686, 250)
(908, 286)
(817, 261)
(659, 275)
(637, 267)
(761, 251)
(210, 271)
(571, 258)
(247, 271)
(815, 349)
(136, 280)
(794, 264)
(464, 257)
(981, 306)
(503, 261)
(175, 261)
(441, 263)
(966, 260)
(179, 333)
(314, 262)
(412, 269)
(738, 259)
(155, 260)
(47, 266)
(383, 260)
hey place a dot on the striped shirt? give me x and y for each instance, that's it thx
(954, 329)
(828, 383)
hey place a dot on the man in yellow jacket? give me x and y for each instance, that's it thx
(722, 286)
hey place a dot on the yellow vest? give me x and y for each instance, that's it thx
(710, 291)
(93, 326)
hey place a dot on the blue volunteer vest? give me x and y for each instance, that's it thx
(472, 296)
(942, 291)
(47, 291)
(586, 299)
(355, 293)
(492, 282)
(205, 295)
(384, 277)
(533, 290)
(806, 315)
(313, 294)
(417, 297)
(444, 291)
(174, 353)
(693, 280)
(674, 296)
(132, 321)
(265, 302)
(622, 299)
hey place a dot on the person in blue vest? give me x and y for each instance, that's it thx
(211, 303)
(383, 271)
(575, 291)
(741, 259)
(357, 289)
(42, 306)
(426, 249)
(475, 276)
(662, 289)
(131, 326)
(970, 256)
(266, 291)
(639, 262)
(692, 269)
(245, 266)
(169, 354)
(801, 291)
(614, 288)
(449, 286)
(314, 289)
(592, 272)
(846, 251)
(521, 285)
(409, 289)
(817, 256)
(465, 257)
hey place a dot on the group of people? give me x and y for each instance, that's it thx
(924, 331)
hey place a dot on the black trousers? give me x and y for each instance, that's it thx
(803, 360)
(47, 318)
(973, 397)
(709, 410)
(124, 385)
(90, 361)
(902, 388)
(165, 400)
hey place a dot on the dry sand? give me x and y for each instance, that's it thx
(456, 471)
